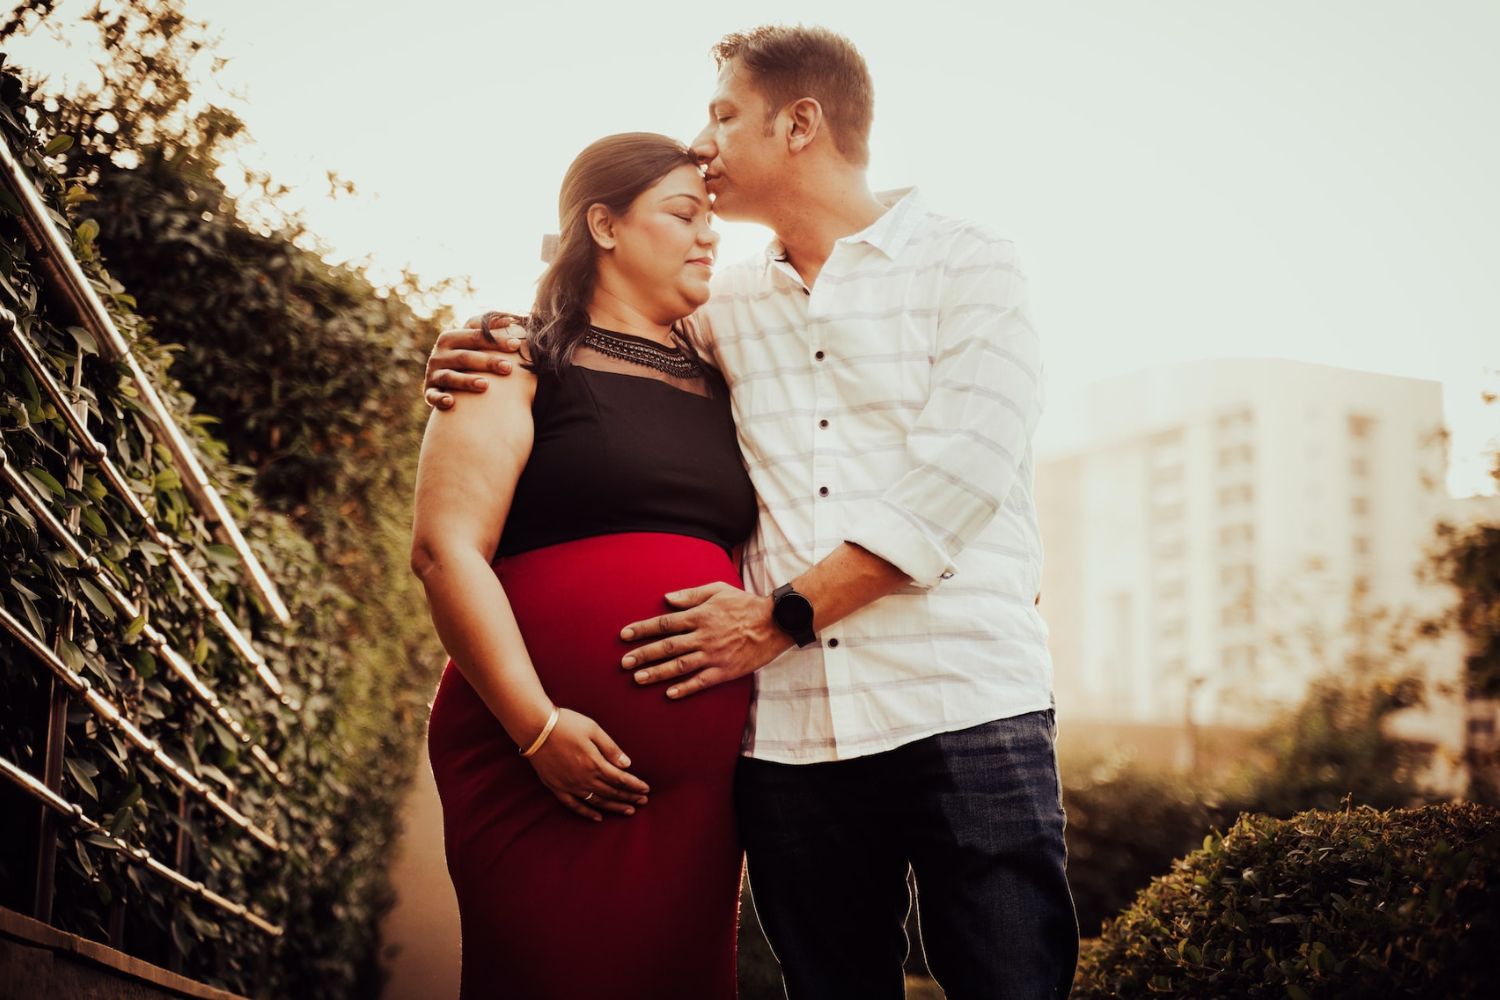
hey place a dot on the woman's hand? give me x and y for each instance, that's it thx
(583, 767)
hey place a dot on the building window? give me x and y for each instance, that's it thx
(1239, 493)
(1238, 575)
(1360, 505)
(1361, 427)
(1241, 613)
(1168, 512)
(1239, 657)
(1237, 454)
(1361, 545)
(1172, 548)
(1236, 534)
(1359, 467)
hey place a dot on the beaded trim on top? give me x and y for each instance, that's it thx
(673, 361)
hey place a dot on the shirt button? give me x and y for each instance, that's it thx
(822, 423)
(822, 491)
(819, 355)
(833, 643)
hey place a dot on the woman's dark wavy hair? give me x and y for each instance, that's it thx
(612, 172)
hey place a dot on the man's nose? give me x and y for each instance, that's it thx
(703, 145)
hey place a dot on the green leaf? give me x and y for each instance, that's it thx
(60, 143)
(83, 857)
(85, 783)
(44, 479)
(31, 616)
(136, 627)
(145, 663)
(96, 598)
(83, 337)
(93, 521)
(70, 654)
(223, 554)
(88, 230)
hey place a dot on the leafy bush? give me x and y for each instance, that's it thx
(314, 373)
(1357, 903)
(1126, 825)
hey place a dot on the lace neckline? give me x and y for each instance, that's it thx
(676, 361)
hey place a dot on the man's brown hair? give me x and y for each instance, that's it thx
(787, 64)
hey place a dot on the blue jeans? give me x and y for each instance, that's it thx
(976, 815)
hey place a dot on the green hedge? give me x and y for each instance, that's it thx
(358, 655)
(1357, 903)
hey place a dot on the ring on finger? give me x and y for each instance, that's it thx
(588, 796)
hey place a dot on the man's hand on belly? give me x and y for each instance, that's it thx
(721, 634)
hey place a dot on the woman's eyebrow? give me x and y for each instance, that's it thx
(695, 199)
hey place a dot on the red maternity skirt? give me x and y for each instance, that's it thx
(556, 907)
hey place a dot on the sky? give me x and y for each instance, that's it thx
(1183, 179)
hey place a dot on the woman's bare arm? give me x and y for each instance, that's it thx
(471, 460)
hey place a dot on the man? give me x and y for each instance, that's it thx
(886, 386)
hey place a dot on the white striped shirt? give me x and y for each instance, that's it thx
(892, 406)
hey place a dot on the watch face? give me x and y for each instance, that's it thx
(793, 612)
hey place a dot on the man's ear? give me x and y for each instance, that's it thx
(806, 118)
(602, 226)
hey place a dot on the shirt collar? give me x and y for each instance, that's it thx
(888, 234)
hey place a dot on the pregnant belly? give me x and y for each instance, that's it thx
(572, 599)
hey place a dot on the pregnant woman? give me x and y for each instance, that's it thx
(588, 820)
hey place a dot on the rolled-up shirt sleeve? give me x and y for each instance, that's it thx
(967, 445)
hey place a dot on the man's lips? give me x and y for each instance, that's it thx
(704, 262)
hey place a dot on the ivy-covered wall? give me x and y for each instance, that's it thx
(308, 424)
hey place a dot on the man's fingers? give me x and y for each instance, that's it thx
(670, 670)
(457, 381)
(462, 339)
(700, 681)
(497, 320)
(474, 361)
(652, 627)
(694, 596)
(659, 652)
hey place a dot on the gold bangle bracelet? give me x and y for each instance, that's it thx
(546, 732)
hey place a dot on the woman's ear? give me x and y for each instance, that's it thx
(602, 226)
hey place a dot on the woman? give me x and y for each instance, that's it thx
(601, 860)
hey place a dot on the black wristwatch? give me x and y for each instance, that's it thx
(793, 614)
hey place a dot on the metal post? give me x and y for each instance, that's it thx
(180, 862)
(57, 712)
(52, 766)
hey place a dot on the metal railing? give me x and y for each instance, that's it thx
(61, 266)
(66, 277)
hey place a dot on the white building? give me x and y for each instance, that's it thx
(1204, 547)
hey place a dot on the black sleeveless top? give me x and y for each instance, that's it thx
(616, 452)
